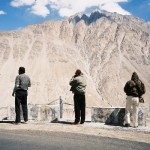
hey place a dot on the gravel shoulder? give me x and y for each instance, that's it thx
(141, 134)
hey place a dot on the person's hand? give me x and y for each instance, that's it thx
(74, 76)
(13, 94)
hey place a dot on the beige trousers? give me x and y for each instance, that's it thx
(132, 105)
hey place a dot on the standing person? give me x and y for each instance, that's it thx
(134, 89)
(22, 83)
(78, 86)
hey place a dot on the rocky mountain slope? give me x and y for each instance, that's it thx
(107, 47)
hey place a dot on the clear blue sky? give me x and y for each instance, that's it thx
(16, 14)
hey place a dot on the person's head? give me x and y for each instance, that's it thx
(134, 76)
(78, 72)
(21, 70)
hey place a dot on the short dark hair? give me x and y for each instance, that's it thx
(21, 70)
(78, 72)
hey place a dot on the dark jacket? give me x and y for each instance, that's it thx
(130, 89)
(133, 86)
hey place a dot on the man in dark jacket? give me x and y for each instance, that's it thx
(133, 90)
(22, 83)
(78, 86)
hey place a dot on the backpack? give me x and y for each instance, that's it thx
(141, 88)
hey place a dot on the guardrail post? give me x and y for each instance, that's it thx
(61, 107)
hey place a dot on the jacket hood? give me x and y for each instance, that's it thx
(135, 76)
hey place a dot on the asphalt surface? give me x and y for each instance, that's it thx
(42, 140)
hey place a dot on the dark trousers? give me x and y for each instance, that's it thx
(21, 98)
(79, 106)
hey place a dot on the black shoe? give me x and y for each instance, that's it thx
(75, 123)
(82, 122)
(127, 125)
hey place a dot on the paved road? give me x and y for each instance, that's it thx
(38, 140)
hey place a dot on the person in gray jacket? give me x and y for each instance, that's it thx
(22, 83)
(78, 86)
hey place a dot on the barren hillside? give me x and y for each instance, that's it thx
(106, 47)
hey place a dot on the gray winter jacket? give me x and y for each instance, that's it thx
(22, 82)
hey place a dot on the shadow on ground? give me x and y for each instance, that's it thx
(7, 121)
(61, 122)
(66, 122)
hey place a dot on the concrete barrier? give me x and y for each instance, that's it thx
(115, 116)
(3, 113)
(38, 112)
(44, 113)
(112, 116)
(69, 114)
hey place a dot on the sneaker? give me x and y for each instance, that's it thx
(16, 123)
(127, 125)
(26, 122)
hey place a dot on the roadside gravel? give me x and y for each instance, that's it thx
(140, 134)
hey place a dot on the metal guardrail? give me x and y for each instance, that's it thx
(62, 102)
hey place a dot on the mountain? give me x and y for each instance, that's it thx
(107, 47)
